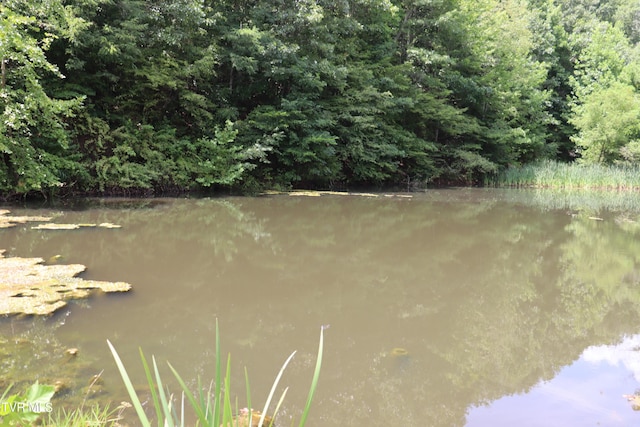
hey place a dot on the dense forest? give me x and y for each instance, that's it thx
(157, 96)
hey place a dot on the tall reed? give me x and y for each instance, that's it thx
(551, 174)
(212, 407)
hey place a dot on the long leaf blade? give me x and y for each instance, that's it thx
(154, 395)
(273, 389)
(314, 381)
(192, 400)
(130, 389)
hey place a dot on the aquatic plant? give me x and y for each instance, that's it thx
(550, 174)
(211, 407)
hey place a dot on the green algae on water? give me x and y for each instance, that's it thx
(10, 221)
(29, 286)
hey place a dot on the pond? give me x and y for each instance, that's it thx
(460, 307)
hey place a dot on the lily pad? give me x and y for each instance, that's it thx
(30, 287)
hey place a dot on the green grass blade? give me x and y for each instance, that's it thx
(275, 411)
(209, 401)
(132, 392)
(154, 395)
(216, 393)
(314, 381)
(227, 411)
(6, 392)
(273, 389)
(202, 398)
(166, 405)
(202, 417)
(246, 384)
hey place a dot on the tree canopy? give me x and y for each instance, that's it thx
(130, 96)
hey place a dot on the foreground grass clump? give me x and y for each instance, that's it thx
(95, 416)
(550, 174)
(212, 407)
(34, 407)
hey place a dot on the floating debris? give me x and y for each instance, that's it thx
(29, 286)
(109, 225)
(399, 352)
(71, 351)
(53, 226)
(305, 193)
(314, 193)
(402, 196)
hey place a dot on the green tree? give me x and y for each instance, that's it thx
(607, 121)
(602, 61)
(33, 124)
(606, 105)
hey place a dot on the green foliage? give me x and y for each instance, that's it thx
(33, 135)
(213, 407)
(551, 174)
(222, 162)
(145, 158)
(95, 416)
(319, 93)
(26, 408)
(602, 62)
(607, 122)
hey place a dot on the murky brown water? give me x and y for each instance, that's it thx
(494, 295)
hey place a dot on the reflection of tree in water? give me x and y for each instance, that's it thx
(502, 323)
(488, 297)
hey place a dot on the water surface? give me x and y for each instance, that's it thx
(499, 299)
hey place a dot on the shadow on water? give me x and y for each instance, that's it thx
(489, 292)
